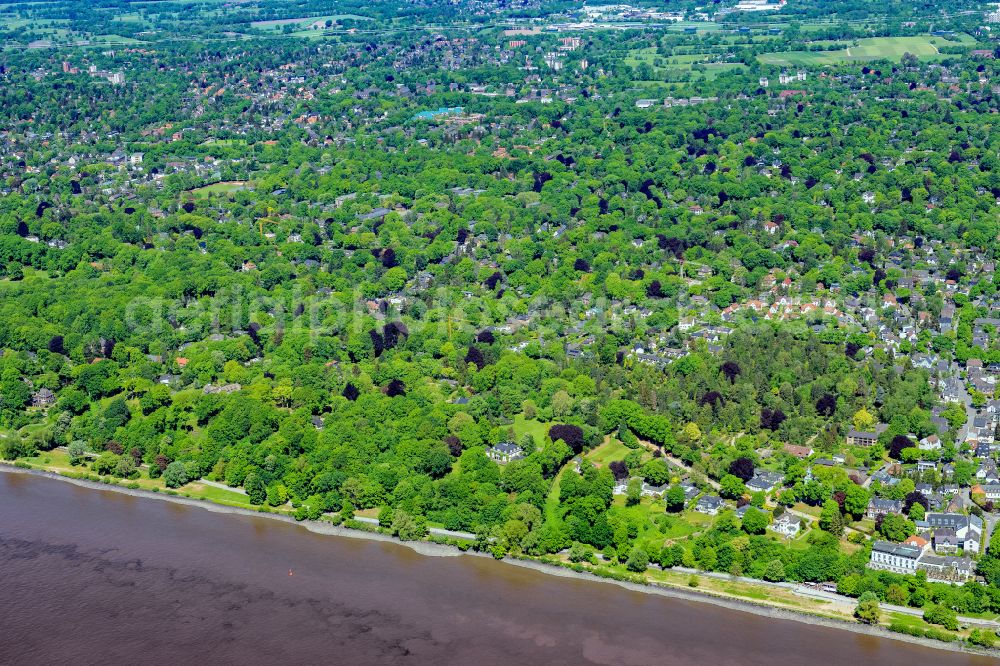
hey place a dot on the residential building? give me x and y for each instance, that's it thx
(709, 504)
(865, 438)
(929, 443)
(966, 531)
(894, 557)
(765, 481)
(945, 540)
(801, 452)
(883, 507)
(43, 397)
(786, 525)
(947, 569)
(505, 452)
(654, 491)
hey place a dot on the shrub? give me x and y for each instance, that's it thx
(983, 637)
(17, 448)
(638, 560)
(77, 452)
(867, 610)
(175, 475)
(105, 463)
(942, 615)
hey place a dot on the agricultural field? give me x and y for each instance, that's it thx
(925, 47)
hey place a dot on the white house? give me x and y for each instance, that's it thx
(929, 443)
(786, 525)
(505, 452)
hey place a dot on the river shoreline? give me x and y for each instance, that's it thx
(432, 549)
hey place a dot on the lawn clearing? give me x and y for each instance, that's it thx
(308, 22)
(214, 494)
(533, 427)
(552, 512)
(675, 66)
(54, 460)
(58, 461)
(608, 452)
(225, 187)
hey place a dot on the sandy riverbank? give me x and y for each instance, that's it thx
(440, 550)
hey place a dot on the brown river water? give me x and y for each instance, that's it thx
(97, 577)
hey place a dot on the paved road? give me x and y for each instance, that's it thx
(436, 531)
(87, 454)
(842, 602)
(683, 465)
(216, 484)
(970, 413)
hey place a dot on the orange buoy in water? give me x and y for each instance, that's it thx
(290, 573)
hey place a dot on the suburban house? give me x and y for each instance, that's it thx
(709, 504)
(690, 491)
(786, 525)
(987, 471)
(966, 532)
(43, 397)
(945, 540)
(621, 485)
(991, 490)
(801, 452)
(765, 481)
(654, 491)
(505, 452)
(884, 477)
(865, 438)
(929, 443)
(883, 507)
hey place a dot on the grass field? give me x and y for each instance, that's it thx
(231, 497)
(924, 47)
(58, 461)
(54, 460)
(129, 18)
(225, 187)
(700, 26)
(552, 512)
(674, 66)
(536, 429)
(743, 590)
(308, 20)
(306, 25)
(916, 622)
(607, 453)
